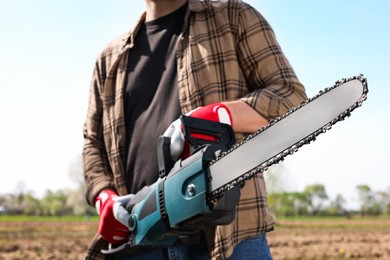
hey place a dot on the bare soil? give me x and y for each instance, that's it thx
(292, 239)
(331, 239)
(45, 240)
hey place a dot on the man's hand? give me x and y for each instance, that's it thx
(110, 228)
(179, 148)
(246, 119)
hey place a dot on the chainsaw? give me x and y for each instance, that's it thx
(204, 188)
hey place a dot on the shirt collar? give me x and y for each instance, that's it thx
(193, 6)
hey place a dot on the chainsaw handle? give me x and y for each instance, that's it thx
(198, 132)
(216, 133)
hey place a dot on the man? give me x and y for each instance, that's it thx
(219, 57)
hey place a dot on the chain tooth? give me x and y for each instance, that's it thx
(294, 148)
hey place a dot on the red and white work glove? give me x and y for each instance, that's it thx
(113, 216)
(216, 112)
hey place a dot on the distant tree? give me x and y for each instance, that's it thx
(281, 202)
(289, 203)
(76, 198)
(387, 203)
(54, 203)
(31, 205)
(75, 171)
(20, 191)
(368, 202)
(9, 204)
(301, 203)
(338, 206)
(20, 188)
(317, 197)
(77, 202)
(276, 179)
(383, 201)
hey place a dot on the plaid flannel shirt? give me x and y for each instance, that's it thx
(227, 51)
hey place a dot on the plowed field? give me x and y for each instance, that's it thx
(331, 239)
(292, 239)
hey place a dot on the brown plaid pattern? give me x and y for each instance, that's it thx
(227, 51)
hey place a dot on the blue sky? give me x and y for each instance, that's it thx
(47, 52)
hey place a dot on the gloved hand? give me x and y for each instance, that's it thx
(216, 112)
(110, 228)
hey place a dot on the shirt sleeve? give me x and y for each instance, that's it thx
(273, 85)
(97, 172)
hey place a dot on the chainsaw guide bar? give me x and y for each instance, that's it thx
(286, 134)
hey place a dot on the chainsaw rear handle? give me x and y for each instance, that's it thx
(218, 134)
(198, 132)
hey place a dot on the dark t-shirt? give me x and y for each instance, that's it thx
(151, 96)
